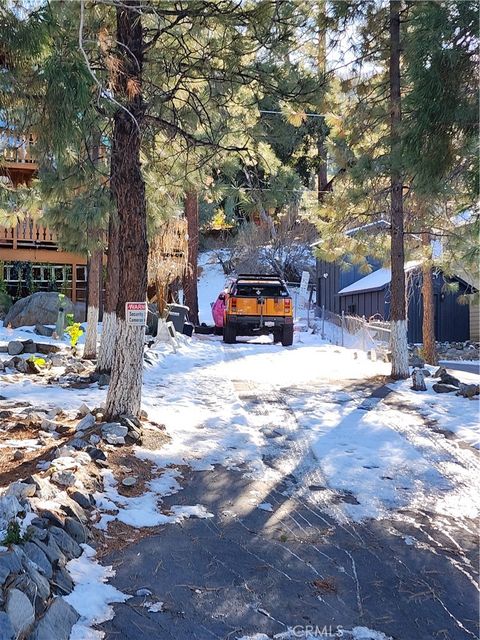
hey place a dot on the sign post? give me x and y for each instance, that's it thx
(303, 290)
(136, 313)
(304, 283)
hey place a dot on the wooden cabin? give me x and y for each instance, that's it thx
(29, 255)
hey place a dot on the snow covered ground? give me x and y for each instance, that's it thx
(310, 408)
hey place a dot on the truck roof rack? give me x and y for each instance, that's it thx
(258, 276)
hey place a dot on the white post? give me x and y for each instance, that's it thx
(343, 320)
(323, 322)
(363, 333)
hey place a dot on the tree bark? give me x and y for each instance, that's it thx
(128, 188)
(428, 320)
(107, 342)
(322, 160)
(190, 279)
(398, 316)
(94, 273)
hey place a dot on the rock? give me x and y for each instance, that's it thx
(42, 330)
(96, 454)
(15, 347)
(94, 439)
(9, 508)
(78, 444)
(57, 622)
(114, 432)
(112, 439)
(57, 519)
(51, 550)
(21, 490)
(22, 366)
(24, 583)
(416, 361)
(134, 436)
(76, 530)
(114, 429)
(103, 380)
(20, 612)
(48, 425)
(7, 632)
(86, 422)
(83, 410)
(57, 360)
(42, 585)
(63, 428)
(143, 593)
(129, 481)
(64, 478)
(468, 390)
(36, 532)
(56, 411)
(36, 555)
(130, 421)
(67, 545)
(439, 372)
(48, 348)
(446, 378)
(18, 454)
(39, 308)
(29, 346)
(74, 510)
(62, 581)
(9, 563)
(439, 387)
(82, 499)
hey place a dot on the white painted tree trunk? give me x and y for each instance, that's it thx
(107, 342)
(90, 349)
(399, 346)
(125, 389)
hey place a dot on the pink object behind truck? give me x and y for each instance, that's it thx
(218, 308)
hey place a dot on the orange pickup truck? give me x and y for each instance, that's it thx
(258, 304)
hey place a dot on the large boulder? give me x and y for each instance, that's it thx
(40, 308)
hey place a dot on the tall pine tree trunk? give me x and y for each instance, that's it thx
(109, 324)
(125, 389)
(398, 317)
(94, 275)
(428, 320)
(190, 288)
(322, 166)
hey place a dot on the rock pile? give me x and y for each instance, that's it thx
(447, 383)
(33, 574)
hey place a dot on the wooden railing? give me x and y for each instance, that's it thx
(27, 234)
(16, 149)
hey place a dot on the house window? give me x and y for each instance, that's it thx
(81, 274)
(351, 308)
(58, 274)
(37, 273)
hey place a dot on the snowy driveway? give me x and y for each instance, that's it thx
(339, 505)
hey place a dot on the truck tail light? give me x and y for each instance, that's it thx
(288, 306)
(233, 304)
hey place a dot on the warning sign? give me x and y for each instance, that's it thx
(304, 283)
(136, 313)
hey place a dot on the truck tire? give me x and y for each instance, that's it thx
(277, 335)
(229, 334)
(287, 336)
